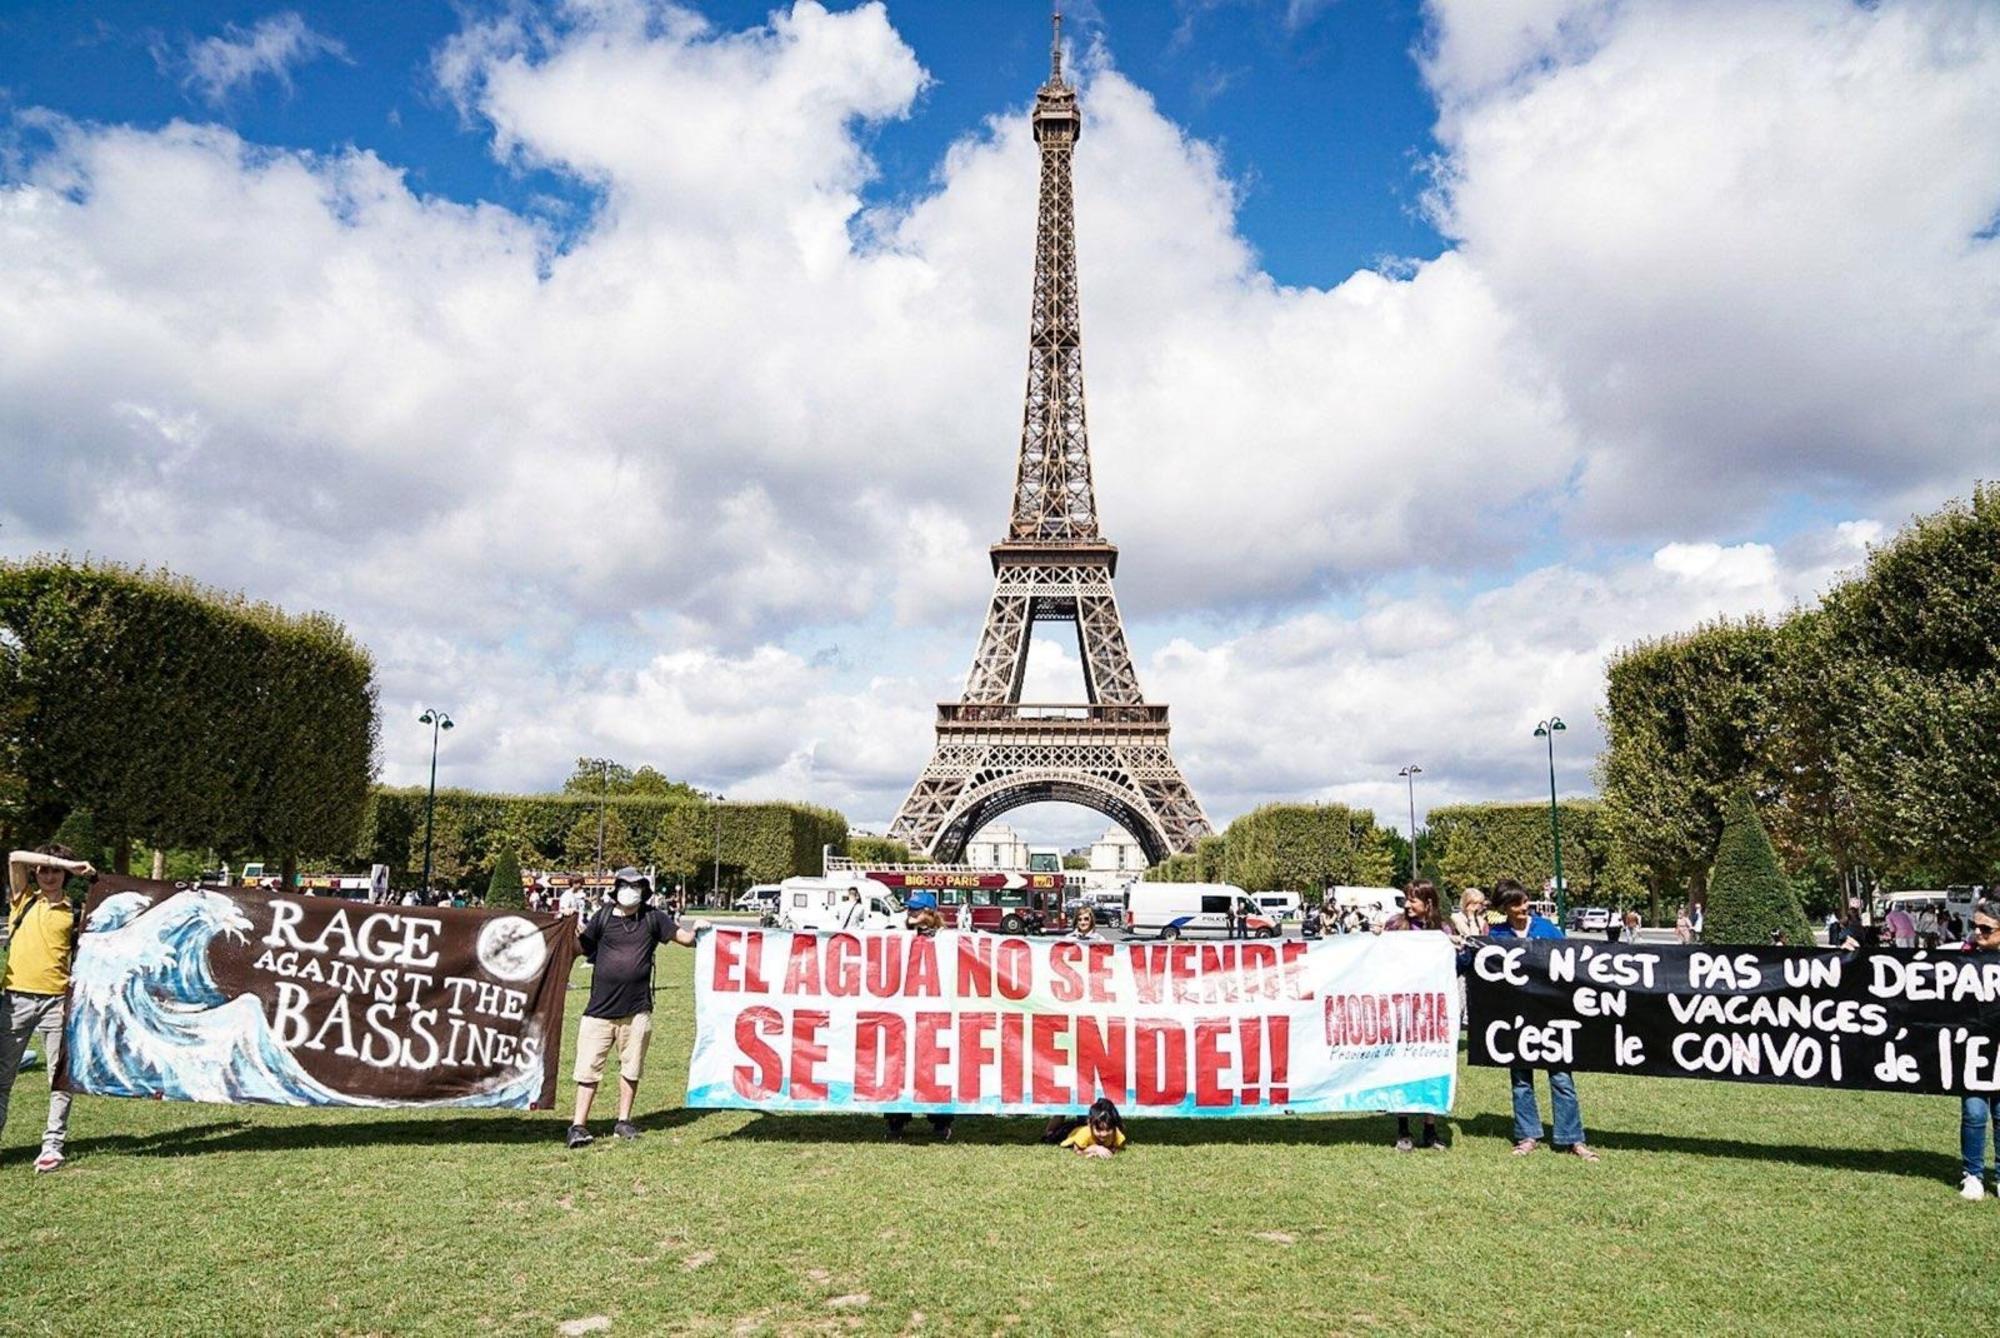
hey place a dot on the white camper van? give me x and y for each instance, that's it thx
(1195, 910)
(820, 904)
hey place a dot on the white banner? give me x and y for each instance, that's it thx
(980, 1022)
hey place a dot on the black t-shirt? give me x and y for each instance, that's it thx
(620, 948)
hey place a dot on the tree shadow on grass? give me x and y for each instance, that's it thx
(514, 1127)
(1915, 1163)
(1026, 1130)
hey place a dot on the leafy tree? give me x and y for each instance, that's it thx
(1303, 846)
(1686, 718)
(504, 887)
(765, 842)
(1749, 896)
(1907, 678)
(79, 833)
(1399, 854)
(1478, 844)
(580, 848)
(598, 775)
(602, 776)
(877, 850)
(1076, 861)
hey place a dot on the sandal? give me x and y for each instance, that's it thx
(1525, 1146)
(1583, 1150)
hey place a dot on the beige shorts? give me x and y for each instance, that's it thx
(595, 1037)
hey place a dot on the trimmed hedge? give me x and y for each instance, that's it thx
(761, 843)
(1287, 847)
(1475, 845)
(179, 715)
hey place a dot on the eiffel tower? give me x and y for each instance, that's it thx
(995, 752)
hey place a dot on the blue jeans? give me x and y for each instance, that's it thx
(1974, 1115)
(1562, 1095)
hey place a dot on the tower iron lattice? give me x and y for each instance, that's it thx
(995, 752)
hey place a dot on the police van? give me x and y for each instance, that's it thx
(1195, 910)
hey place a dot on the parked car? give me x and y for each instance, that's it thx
(1195, 910)
(1590, 919)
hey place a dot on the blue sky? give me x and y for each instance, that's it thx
(685, 444)
(1322, 118)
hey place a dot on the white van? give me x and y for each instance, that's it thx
(761, 898)
(1194, 910)
(1278, 905)
(1377, 903)
(820, 904)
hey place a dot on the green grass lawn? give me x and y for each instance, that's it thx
(1717, 1209)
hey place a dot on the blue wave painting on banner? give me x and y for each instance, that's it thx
(240, 995)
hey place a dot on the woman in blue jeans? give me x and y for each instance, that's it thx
(1977, 1112)
(1511, 899)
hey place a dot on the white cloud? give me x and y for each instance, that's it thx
(626, 496)
(1747, 240)
(218, 66)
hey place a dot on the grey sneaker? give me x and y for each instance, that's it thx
(579, 1136)
(625, 1129)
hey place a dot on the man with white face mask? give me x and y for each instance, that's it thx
(619, 942)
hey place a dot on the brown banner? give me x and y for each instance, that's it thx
(238, 994)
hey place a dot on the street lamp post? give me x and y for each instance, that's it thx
(1548, 729)
(1410, 774)
(715, 869)
(438, 721)
(603, 798)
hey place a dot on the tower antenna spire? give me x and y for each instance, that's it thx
(1055, 48)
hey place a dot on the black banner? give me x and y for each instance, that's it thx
(1889, 1020)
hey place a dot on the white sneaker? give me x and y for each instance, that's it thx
(1972, 1190)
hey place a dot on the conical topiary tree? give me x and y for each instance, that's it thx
(1749, 895)
(504, 888)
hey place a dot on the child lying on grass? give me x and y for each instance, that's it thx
(1101, 1134)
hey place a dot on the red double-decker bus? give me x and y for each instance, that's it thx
(1005, 903)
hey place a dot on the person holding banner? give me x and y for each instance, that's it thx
(619, 942)
(921, 917)
(1976, 1113)
(1420, 911)
(1520, 922)
(41, 940)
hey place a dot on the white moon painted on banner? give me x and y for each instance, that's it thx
(511, 948)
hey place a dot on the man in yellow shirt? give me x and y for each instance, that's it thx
(41, 936)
